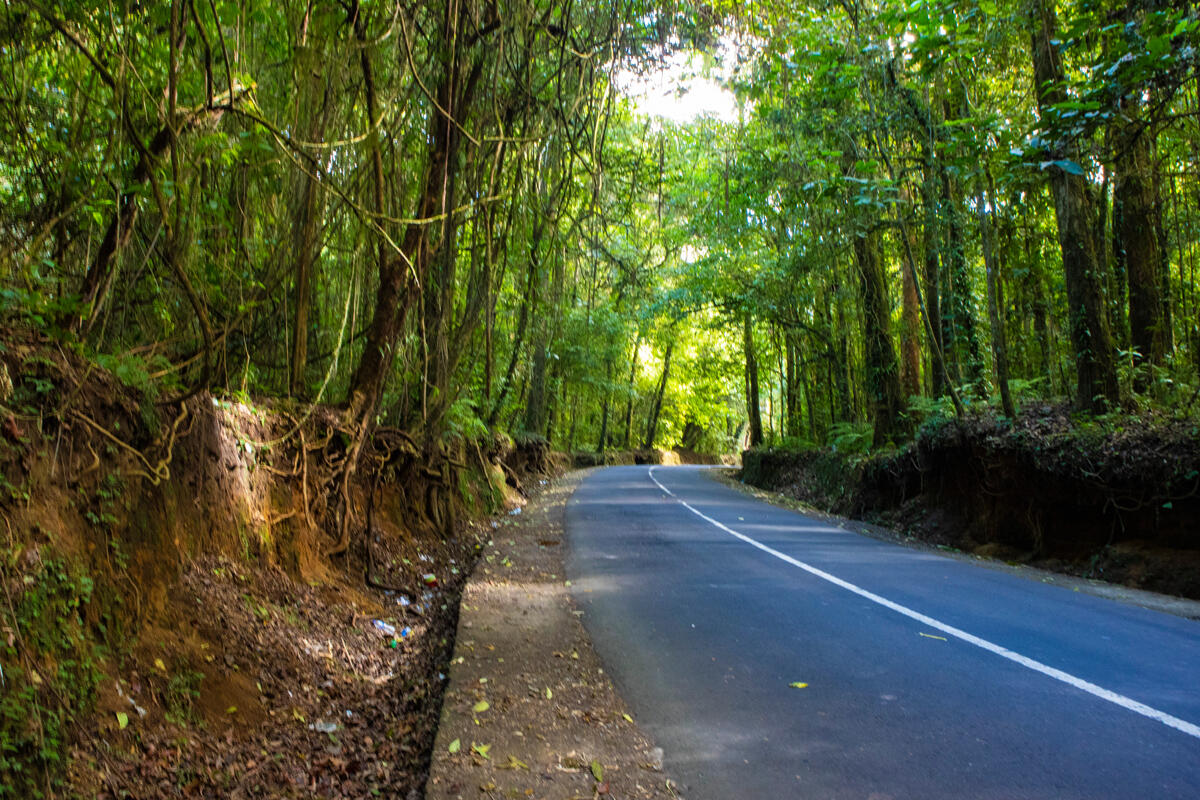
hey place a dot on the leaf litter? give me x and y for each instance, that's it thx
(242, 659)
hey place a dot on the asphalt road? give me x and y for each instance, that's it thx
(927, 677)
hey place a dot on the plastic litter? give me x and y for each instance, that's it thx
(386, 629)
(430, 579)
(404, 601)
(324, 726)
(515, 511)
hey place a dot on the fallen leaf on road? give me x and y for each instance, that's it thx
(798, 685)
(481, 749)
(597, 770)
(480, 707)
(514, 763)
(455, 746)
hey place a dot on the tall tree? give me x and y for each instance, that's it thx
(1095, 363)
(1137, 247)
(753, 403)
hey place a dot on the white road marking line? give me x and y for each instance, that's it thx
(1079, 683)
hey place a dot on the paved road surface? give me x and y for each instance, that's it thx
(928, 677)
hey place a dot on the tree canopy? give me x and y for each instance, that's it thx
(454, 217)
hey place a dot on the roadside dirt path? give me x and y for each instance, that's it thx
(529, 711)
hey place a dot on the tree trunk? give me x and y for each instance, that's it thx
(303, 262)
(442, 278)
(752, 401)
(883, 380)
(633, 364)
(1164, 268)
(395, 293)
(535, 402)
(528, 299)
(1096, 373)
(999, 343)
(839, 359)
(1137, 246)
(602, 441)
(910, 319)
(958, 331)
(806, 388)
(656, 406)
(306, 218)
(795, 417)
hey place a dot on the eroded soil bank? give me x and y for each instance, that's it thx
(1100, 501)
(200, 600)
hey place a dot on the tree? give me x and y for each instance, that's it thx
(1096, 371)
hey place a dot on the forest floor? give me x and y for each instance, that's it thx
(252, 684)
(530, 712)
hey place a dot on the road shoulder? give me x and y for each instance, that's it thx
(529, 711)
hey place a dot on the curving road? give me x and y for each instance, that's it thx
(927, 677)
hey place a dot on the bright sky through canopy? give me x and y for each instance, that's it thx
(680, 92)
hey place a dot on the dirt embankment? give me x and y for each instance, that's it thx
(1118, 503)
(181, 615)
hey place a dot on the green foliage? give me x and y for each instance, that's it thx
(38, 308)
(583, 230)
(850, 438)
(1025, 389)
(929, 415)
(50, 664)
(179, 699)
(463, 422)
(795, 443)
(134, 371)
